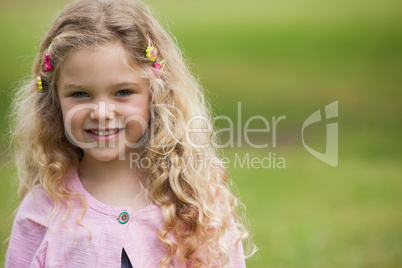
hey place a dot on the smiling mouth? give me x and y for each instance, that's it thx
(104, 132)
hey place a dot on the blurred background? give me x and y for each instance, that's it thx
(277, 58)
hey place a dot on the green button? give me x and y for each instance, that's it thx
(123, 217)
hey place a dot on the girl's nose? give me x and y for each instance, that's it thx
(103, 111)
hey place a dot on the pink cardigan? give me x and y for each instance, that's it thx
(35, 242)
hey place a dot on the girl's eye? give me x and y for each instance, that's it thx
(80, 94)
(124, 93)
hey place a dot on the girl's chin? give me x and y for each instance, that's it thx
(104, 154)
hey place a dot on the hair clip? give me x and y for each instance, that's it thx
(46, 62)
(46, 59)
(39, 83)
(160, 65)
(151, 54)
(47, 67)
(151, 51)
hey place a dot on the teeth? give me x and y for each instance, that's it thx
(104, 133)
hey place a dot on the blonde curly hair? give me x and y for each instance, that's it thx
(195, 199)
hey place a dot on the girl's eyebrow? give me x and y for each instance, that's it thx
(72, 87)
(117, 85)
(125, 84)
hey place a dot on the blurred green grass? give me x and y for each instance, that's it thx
(280, 58)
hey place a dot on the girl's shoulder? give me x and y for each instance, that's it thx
(36, 207)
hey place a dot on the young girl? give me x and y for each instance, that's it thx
(114, 151)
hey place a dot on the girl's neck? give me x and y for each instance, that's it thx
(103, 171)
(114, 182)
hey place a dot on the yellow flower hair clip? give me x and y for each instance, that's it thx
(39, 83)
(151, 51)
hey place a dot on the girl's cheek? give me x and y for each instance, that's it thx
(134, 111)
(74, 119)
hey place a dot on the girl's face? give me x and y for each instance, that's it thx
(104, 101)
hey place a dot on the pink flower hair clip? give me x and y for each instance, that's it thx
(46, 61)
(159, 66)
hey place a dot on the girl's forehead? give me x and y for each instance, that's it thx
(108, 50)
(100, 64)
